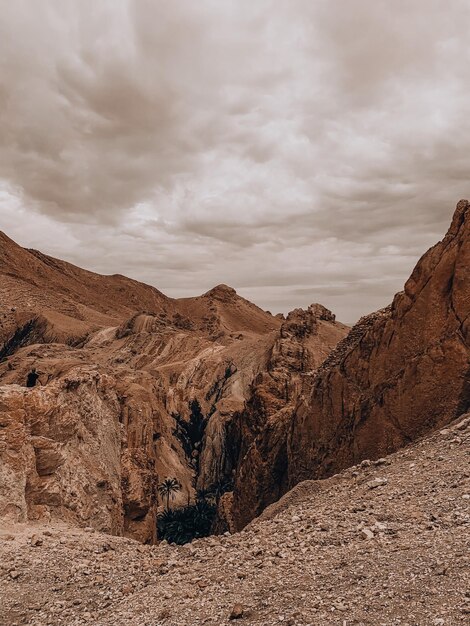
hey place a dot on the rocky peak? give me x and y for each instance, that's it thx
(318, 311)
(400, 372)
(459, 217)
(301, 322)
(298, 323)
(221, 292)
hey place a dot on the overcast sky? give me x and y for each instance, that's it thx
(298, 150)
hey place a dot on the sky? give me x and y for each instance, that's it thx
(298, 150)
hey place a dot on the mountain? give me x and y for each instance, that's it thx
(73, 302)
(211, 390)
(77, 301)
(400, 373)
(135, 388)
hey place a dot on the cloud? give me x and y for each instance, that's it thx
(297, 150)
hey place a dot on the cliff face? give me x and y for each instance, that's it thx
(400, 373)
(135, 388)
(304, 341)
(60, 451)
(91, 444)
(110, 419)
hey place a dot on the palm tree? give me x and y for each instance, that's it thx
(168, 488)
(220, 487)
(202, 495)
(185, 524)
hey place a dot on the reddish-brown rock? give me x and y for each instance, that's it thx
(120, 367)
(400, 373)
(123, 368)
(304, 341)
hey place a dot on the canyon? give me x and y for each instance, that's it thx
(136, 387)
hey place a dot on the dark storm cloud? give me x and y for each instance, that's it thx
(299, 150)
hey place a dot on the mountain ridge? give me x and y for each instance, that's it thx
(117, 356)
(273, 400)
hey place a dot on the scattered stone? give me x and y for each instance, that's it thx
(36, 540)
(375, 563)
(367, 533)
(376, 482)
(237, 612)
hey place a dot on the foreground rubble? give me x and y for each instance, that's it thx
(385, 543)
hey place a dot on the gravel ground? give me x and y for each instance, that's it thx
(385, 543)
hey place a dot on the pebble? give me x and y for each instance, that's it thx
(367, 533)
(36, 540)
(376, 482)
(337, 554)
(237, 612)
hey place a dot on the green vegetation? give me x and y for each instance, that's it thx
(167, 489)
(183, 524)
(190, 432)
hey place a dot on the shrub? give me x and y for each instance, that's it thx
(184, 524)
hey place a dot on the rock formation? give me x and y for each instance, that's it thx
(304, 341)
(135, 387)
(399, 373)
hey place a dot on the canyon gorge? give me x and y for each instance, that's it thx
(136, 387)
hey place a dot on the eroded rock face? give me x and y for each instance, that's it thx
(110, 419)
(60, 453)
(212, 388)
(400, 373)
(305, 339)
(91, 444)
(123, 371)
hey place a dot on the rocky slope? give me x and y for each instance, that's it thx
(124, 370)
(407, 372)
(32, 284)
(383, 543)
(399, 373)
